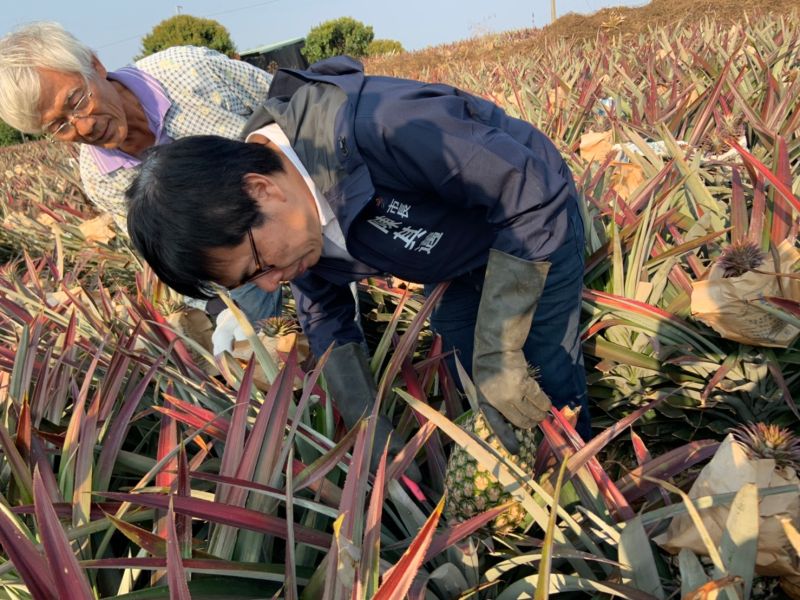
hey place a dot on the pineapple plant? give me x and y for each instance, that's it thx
(472, 489)
(279, 326)
(760, 440)
(740, 257)
(715, 143)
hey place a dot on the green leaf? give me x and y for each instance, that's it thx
(739, 544)
(545, 565)
(692, 573)
(638, 563)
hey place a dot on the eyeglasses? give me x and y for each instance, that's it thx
(65, 125)
(261, 270)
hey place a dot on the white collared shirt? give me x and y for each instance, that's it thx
(333, 245)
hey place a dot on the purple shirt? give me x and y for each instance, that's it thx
(155, 103)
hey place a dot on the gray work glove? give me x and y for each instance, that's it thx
(353, 389)
(511, 291)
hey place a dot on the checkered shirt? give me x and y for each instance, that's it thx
(210, 94)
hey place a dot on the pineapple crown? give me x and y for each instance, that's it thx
(760, 440)
(277, 326)
(740, 257)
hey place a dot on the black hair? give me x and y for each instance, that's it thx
(188, 198)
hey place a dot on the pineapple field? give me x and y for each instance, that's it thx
(137, 464)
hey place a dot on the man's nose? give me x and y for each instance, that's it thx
(84, 126)
(269, 282)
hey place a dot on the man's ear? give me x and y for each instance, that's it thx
(98, 66)
(263, 188)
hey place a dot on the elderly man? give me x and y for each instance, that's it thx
(345, 176)
(51, 83)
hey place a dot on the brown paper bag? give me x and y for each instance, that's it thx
(728, 471)
(196, 325)
(726, 304)
(596, 145)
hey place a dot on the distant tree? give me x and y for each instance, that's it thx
(378, 47)
(186, 30)
(9, 136)
(338, 36)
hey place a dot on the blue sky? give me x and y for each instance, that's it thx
(115, 31)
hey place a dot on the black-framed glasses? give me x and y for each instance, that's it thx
(261, 269)
(65, 125)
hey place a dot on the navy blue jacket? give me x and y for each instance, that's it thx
(423, 178)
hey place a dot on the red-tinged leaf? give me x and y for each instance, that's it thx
(775, 370)
(327, 491)
(412, 486)
(397, 581)
(356, 483)
(317, 470)
(64, 509)
(781, 214)
(117, 370)
(23, 437)
(597, 443)
(165, 478)
(614, 499)
(273, 451)
(409, 340)
(701, 123)
(639, 448)
(10, 308)
(84, 464)
(782, 190)
(204, 415)
(226, 514)
(563, 450)
(262, 571)
(148, 541)
(545, 565)
(634, 486)
(176, 575)
(237, 430)
(42, 460)
(434, 448)
(199, 423)
(643, 457)
(183, 523)
(117, 432)
(758, 210)
(728, 364)
(790, 306)
(19, 469)
(454, 534)
(31, 566)
(67, 573)
(270, 423)
(430, 366)
(738, 208)
(371, 548)
(379, 356)
(162, 329)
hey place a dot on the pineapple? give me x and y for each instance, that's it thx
(769, 441)
(279, 326)
(740, 257)
(728, 127)
(471, 490)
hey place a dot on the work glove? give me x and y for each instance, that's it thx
(353, 389)
(506, 390)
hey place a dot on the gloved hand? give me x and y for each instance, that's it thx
(353, 389)
(511, 291)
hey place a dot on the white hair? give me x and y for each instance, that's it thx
(40, 45)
